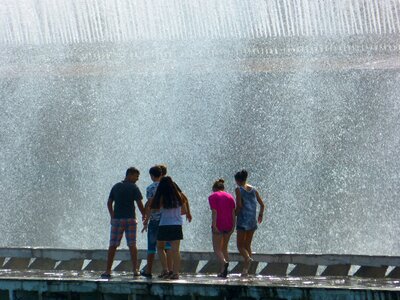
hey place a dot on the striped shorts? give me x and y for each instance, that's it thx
(118, 227)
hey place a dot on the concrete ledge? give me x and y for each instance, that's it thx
(336, 270)
(123, 254)
(277, 264)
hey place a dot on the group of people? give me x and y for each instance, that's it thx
(162, 217)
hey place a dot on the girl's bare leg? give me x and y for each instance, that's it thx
(217, 246)
(249, 239)
(241, 244)
(225, 242)
(242, 247)
(176, 256)
(162, 255)
(170, 261)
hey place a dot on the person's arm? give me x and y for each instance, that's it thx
(214, 221)
(238, 200)
(141, 208)
(186, 206)
(146, 219)
(262, 207)
(188, 213)
(110, 207)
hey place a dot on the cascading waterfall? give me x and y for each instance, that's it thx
(302, 93)
(88, 21)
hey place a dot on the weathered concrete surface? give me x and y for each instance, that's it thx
(276, 264)
(86, 285)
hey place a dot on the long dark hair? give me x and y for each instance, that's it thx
(167, 195)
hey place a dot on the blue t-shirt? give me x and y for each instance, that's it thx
(124, 194)
(150, 192)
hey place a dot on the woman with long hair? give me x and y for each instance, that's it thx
(171, 205)
(222, 206)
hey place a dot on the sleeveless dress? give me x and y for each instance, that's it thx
(247, 217)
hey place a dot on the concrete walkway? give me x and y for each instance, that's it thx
(85, 285)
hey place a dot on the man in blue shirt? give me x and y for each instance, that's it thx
(121, 206)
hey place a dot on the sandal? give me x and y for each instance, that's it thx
(136, 274)
(224, 273)
(165, 274)
(105, 276)
(245, 273)
(144, 274)
(174, 276)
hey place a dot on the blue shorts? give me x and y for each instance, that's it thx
(243, 228)
(152, 232)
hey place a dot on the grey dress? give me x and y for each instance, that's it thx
(247, 217)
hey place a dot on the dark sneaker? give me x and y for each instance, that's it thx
(144, 274)
(165, 274)
(173, 276)
(105, 276)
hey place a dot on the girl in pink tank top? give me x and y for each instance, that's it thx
(222, 206)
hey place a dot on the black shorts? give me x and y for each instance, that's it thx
(169, 233)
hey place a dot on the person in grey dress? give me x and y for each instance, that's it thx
(247, 198)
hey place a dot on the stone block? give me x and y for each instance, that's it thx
(4, 295)
(239, 268)
(88, 296)
(25, 295)
(371, 272)
(17, 263)
(210, 267)
(72, 264)
(395, 273)
(43, 264)
(124, 266)
(189, 266)
(157, 268)
(304, 270)
(275, 269)
(336, 270)
(116, 297)
(56, 296)
(96, 265)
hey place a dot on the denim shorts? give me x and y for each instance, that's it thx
(118, 227)
(152, 232)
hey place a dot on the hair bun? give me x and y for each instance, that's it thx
(221, 180)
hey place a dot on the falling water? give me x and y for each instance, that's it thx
(302, 93)
(88, 21)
